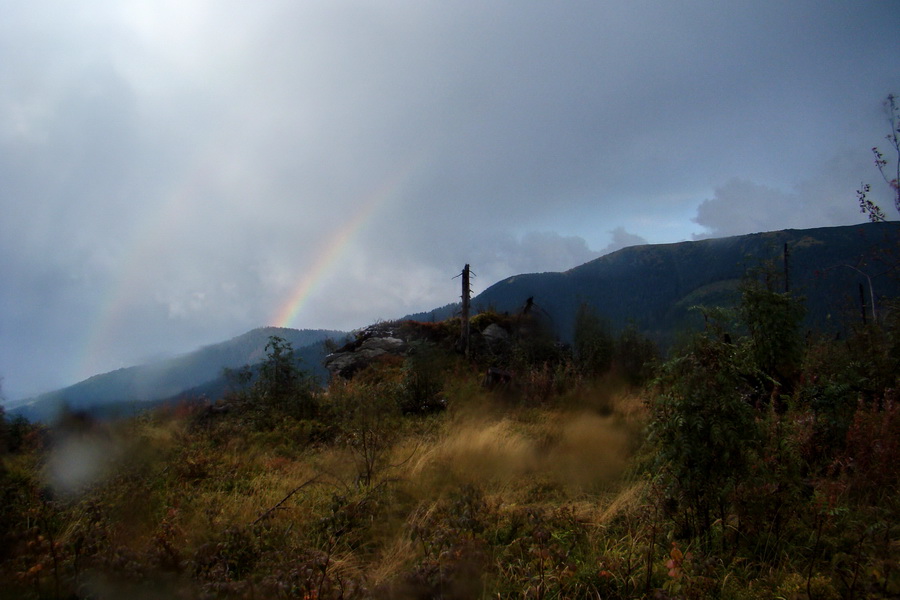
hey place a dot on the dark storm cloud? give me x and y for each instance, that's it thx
(173, 171)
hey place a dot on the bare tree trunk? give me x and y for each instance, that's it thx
(464, 329)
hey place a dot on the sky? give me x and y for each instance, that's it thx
(174, 173)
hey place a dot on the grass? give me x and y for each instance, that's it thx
(505, 494)
(215, 510)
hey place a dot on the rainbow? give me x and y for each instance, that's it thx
(335, 247)
(120, 293)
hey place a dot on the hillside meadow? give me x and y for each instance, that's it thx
(756, 460)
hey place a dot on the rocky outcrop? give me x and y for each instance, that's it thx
(371, 343)
(346, 362)
(495, 335)
(403, 338)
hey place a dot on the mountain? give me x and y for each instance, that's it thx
(196, 372)
(651, 286)
(654, 286)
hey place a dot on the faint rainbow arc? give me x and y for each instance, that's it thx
(335, 247)
(115, 301)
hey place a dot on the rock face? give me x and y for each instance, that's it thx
(370, 343)
(404, 338)
(495, 335)
(346, 362)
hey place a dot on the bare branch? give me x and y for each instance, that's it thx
(285, 499)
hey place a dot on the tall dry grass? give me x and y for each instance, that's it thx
(200, 505)
(572, 450)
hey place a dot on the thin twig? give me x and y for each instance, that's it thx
(285, 499)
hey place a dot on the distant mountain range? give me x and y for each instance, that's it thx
(651, 286)
(654, 286)
(192, 374)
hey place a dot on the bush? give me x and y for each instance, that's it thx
(705, 433)
(594, 345)
(635, 356)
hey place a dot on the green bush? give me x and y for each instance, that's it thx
(594, 345)
(704, 429)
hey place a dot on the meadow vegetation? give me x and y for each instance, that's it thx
(755, 461)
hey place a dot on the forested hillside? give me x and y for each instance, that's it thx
(654, 286)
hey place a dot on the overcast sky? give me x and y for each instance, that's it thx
(176, 172)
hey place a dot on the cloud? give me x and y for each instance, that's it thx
(622, 239)
(172, 171)
(741, 206)
(385, 283)
(533, 252)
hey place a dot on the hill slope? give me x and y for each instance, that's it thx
(172, 377)
(651, 286)
(655, 285)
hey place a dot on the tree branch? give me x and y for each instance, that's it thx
(285, 499)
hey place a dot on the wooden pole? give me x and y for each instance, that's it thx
(464, 329)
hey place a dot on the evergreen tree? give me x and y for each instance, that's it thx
(594, 344)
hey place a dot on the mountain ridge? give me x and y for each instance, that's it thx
(651, 286)
(171, 377)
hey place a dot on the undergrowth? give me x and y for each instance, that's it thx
(720, 478)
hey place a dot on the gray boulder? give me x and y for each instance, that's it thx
(495, 335)
(358, 355)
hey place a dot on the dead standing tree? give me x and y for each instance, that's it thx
(466, 297)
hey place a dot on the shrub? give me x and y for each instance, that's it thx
(704, 430)
(772, 321)
(593, 343)
(635, 356)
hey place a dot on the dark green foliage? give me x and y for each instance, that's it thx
(443, 333)
(829, 389)
(711, 404)
(635, 356)
(489, 317)
(424, 372)
(771, 497)
(278, 388)
(597, 350)
(14, 491)
(593, 342)
(771, 446)
(238, 379)
(874, 355)
(16, 436)
(534, 345)
(773, 473)
(840, 377)
(280, 380)
(772, 321)
(654, 285)
(368, 416)
(704, 429)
